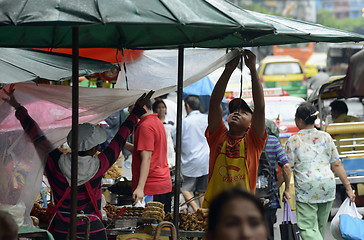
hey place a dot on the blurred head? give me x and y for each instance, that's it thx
(192, 103)
(148, 105)
(89, 138)
(236, 214)
(271, 128)
(240, 115)
(8, 227)
(337, 108)
(306, 114)
(321, 68)
(160, 107)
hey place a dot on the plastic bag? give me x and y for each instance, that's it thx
(351, 228)
(16, 211)
(345, 208)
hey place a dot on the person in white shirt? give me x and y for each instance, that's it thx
(194, 151)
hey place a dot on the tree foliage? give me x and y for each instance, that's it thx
(324, 17)
(328, 19)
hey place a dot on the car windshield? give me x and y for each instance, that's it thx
(286, 110)
(282, 68)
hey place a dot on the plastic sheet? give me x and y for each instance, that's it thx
(345, 208)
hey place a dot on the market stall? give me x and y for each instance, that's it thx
(55, 27)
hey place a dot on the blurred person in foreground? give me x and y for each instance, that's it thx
(235, 153)
(8, 227)
(235, 214)
(312, 154)
(151, 175)
(194, 151)
(339, 112)
(91, 167)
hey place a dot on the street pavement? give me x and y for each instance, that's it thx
(277, 235)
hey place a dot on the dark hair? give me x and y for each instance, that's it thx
(149, 105)
(339, 106)
(223, 198)
(156, 103)
(193, 101)
(306, 112)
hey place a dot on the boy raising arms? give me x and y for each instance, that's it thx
(234, 153)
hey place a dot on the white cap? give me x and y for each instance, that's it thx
(88, 136)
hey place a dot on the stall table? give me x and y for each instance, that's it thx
(34, 233)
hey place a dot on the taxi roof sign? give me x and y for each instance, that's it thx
(247, 93)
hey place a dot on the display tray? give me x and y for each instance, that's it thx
(119, 231)
(186, 234)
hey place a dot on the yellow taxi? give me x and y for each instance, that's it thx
(283, 72)
(316, 61)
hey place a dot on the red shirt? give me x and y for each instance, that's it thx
(150, 135)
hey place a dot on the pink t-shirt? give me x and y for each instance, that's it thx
(150, 135)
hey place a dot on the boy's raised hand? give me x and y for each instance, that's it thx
(250, 59)
(233, 63)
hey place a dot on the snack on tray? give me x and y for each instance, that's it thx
(113, 172)
(196, 221)
(154, 204)
(42, 213)
(153, 214)
(151, 208)
(154, 210)
(110, 210)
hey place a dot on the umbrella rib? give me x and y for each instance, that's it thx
(19, 14)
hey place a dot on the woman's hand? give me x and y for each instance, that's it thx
(11, 100)
(144, 98)
(350, 192)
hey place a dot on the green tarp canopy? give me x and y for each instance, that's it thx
(287, 31)
(133, 24)
(151, 24)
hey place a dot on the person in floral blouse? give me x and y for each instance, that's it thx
(312, 155)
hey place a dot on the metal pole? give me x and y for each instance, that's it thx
(178, 140)
(74, 147)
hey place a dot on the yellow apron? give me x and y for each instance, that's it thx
(228, 172)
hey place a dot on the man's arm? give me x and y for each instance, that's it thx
(146, 157)
(215, 109)
(129, 146)
(258, 118)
